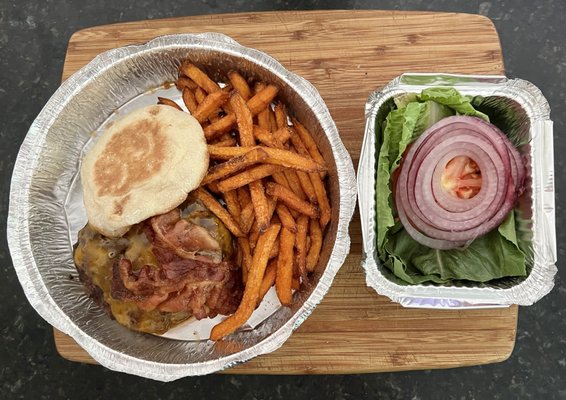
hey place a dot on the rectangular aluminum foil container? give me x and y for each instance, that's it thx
(46, 208)
(518, 106)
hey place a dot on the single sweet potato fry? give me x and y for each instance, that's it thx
(263, 119)
(248, 177)
(281, 115)
(286, 217)
(268, 276)
(272, 121)
(261, 207)
(199, 77)
(209, 105)
(234, 165)
(185, 83)
(253, 285)
(323, 202)
(232, 204)
(190, 100)
(285, 158)
(240, 84)
(295, 183)
(315, 245)
(284, 278)
(301, 245)
(244, 119)
(168, 102)
(309, 142)
(244, 246)
(216, 208)
(226, 142)
(262, 99)
(292, 200)
(307, 186)
(247, 217)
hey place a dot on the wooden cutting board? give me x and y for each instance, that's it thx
(346, 55)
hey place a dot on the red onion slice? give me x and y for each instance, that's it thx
(437, 218)
(425, 240)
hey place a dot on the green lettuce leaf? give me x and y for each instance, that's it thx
(391, 138)
(430, 115)
(403, 99)
(452, 98)
(491, 256)
(402, 127)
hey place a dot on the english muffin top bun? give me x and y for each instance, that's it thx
(143, 165)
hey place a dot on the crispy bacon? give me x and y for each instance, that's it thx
(205, 289)
(187, 240)
(185, 279)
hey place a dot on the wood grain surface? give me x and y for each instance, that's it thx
(346, 55)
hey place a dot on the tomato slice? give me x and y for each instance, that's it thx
(462, 177)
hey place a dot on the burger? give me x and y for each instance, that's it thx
(151, 254)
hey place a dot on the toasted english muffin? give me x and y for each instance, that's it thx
(143, 165)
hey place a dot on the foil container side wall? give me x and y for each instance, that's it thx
(529, 102)
(548, 195)
(37, 228)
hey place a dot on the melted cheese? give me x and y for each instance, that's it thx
(96, 256)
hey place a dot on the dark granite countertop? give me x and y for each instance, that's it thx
(33, 40)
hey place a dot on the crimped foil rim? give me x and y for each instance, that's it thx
(541, 279)
(18, 222)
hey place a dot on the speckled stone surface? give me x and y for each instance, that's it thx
(33, 39)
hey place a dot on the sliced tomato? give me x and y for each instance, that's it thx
(462, 177)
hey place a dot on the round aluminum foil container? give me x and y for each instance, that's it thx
(42, 221)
